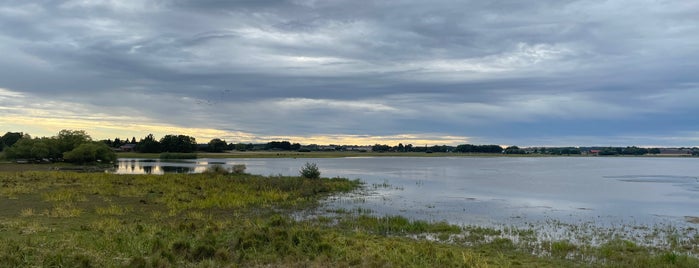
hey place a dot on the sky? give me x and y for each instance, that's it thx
(527, 73)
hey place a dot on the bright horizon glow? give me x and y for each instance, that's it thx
(102, 130)
(43, 120)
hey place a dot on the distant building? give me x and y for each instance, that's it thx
(129, 147)
(327, 147)
(359, 148)
(675, 151)
(595, 152)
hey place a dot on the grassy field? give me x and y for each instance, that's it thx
(67, 219)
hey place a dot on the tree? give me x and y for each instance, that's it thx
(217, 145)
(9, 139)
(70, 139)
(469, 148)
(490, 149)
(400, 148)
(90, 152)
(279, 145)
(71, 145)
(440, 149)
(633, 150)
(20, 150)
(240, 147)
(608, 151)
(148, 145)
(178, 144)
(569, 151)
(117, 142)
(34, 149)
(514, 150)
(310, 171)
(380, 148)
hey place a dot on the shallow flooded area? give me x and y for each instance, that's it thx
(491, 191)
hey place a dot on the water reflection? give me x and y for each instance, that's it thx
(169, 169)
(154, 166)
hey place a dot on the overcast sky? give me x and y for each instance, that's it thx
(530, 73)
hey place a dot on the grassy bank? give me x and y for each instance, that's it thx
(65, 219)
(15, 167)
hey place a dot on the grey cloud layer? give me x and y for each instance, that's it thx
(469, 68)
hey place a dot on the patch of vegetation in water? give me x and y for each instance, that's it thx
(67, 219)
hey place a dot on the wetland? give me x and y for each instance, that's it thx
(395, 212)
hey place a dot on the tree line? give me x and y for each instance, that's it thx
(19, 145)
(74, 146)
(630, 150)
(464, 148)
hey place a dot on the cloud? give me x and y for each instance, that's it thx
(342, 106)
(495, 71)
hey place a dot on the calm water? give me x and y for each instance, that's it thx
(488, 191)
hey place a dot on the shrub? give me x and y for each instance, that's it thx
(203, 252)
(239, 168)
(310, 171)
(181, 247)
(216, 169)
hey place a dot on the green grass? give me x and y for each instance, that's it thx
(67, 219)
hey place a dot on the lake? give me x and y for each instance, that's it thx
(491, 191)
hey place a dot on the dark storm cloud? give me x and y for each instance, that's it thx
(509, 70)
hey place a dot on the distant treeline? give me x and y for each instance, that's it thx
(49, 148)
(631, 150)
(187, 144)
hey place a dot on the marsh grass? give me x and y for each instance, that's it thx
(66, 210)
(112, 210)
(64, 219)
(27, 212)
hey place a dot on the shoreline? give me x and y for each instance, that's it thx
(289, 154)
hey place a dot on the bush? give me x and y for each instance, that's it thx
(239, 168)
(216, 169)
(310, 171)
